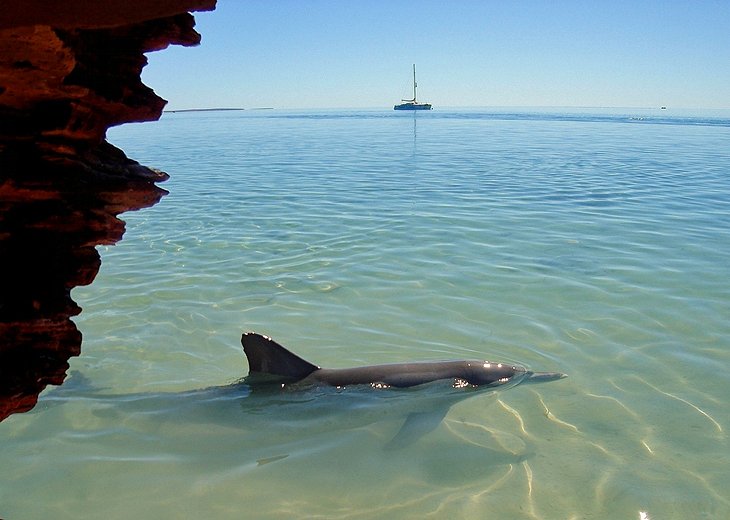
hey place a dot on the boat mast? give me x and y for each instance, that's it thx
(414, 83)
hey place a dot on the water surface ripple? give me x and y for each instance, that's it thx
(595, 243)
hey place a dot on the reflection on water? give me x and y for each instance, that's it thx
(52, 215)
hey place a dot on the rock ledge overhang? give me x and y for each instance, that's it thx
(69, 70)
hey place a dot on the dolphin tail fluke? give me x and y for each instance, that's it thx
(265, 356)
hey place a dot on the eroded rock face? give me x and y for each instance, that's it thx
(69, 70)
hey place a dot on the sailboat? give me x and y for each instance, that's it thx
(412, 104)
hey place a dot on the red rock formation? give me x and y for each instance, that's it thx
(69, 70)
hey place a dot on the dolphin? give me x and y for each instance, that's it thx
(269, 361)
(444, 382)
(285, 400)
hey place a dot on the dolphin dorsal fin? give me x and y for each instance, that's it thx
(266, 356)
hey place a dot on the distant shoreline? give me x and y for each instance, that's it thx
(212, 109)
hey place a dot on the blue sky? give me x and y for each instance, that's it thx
(347, 53)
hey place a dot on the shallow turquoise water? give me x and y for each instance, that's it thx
(595, 243)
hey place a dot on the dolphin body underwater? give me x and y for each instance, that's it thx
(285, 399)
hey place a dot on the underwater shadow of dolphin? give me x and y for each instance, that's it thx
(271, 365)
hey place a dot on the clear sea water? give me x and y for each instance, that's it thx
(591, 242)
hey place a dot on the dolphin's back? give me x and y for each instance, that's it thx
(399, 375)
(265, 356)
(268, 358)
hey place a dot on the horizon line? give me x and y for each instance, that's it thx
(591, 107)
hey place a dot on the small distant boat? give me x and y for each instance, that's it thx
(412, 104)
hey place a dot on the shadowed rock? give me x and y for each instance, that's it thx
(69, 70)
